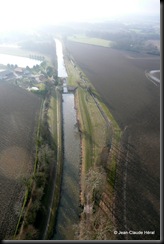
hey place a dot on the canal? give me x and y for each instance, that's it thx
(68, 210)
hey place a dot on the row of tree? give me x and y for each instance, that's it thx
(129, 40)
(37, 57)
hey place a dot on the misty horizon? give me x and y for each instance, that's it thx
(20, 15)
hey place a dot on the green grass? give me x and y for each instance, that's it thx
(73, 73)
(90, 40)
(52, 116)
(87, 129)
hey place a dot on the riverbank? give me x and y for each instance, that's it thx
(55, 123)
(96, 154)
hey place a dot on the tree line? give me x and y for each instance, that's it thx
(129, 40)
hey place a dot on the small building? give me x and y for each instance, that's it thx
(18, 70)
(34, 88)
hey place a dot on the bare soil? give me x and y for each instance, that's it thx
(18, 120)
(134, 101)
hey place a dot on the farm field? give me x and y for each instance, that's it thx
(134, 101)
(19, 112)
(89, 40)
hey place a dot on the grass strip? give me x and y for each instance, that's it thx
(56, 194)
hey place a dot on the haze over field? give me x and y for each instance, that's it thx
(20, 14)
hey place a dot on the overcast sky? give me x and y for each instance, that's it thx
(29, 13)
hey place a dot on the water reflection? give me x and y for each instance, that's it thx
(61, 66)
(68, 208)
(16, 60)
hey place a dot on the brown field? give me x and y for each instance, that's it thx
(134, 101)
(18, 121)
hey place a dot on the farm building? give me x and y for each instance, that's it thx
(19, 70)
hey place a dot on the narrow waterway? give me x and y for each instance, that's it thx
(68, 211)
(60, 60)
(68, 208)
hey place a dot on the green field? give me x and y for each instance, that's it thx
(90, 40)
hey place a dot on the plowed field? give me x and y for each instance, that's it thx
(19, 111)
(134, 101)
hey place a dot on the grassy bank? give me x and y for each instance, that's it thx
(55, 122)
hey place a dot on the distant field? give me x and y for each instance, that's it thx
(134, 101)
(90, 40)
(18, 120)
(14, 51)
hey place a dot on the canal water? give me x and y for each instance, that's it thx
(60, 60)
(68, 210)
